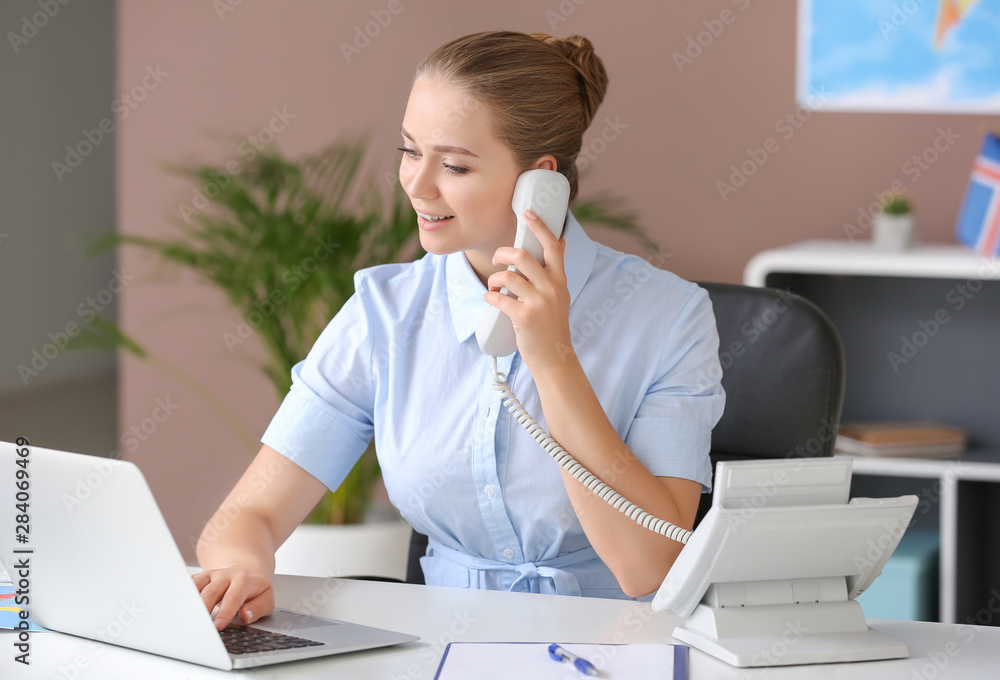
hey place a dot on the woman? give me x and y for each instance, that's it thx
(613, 359)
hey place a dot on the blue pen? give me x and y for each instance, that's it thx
(582, 665)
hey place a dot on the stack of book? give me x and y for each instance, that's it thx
(901, 440)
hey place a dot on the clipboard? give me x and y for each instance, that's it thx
(531, 661)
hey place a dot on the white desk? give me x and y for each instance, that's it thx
(442, 615)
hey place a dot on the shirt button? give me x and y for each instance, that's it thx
(508, 553)
(490, 491)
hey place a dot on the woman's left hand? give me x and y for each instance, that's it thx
(541, 311)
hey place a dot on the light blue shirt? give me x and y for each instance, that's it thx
(400, 361)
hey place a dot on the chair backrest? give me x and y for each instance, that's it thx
(783, 373)
(418, 548)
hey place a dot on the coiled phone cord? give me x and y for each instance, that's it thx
(578, 471)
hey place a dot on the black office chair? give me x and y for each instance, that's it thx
(783, 372)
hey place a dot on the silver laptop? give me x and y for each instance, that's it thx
(103, 565)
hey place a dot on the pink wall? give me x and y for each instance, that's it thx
(680, 132)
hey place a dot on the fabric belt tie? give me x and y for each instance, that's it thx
(546, 576)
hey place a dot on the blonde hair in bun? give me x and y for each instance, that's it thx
(541, 91)
(593, 79)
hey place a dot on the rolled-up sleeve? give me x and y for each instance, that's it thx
(672, 431)
(326, 420)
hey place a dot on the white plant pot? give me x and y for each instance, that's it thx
(893, 233)
(376, 549)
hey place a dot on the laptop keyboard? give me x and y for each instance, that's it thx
(246, 640)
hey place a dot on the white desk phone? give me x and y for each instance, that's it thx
(793, 559)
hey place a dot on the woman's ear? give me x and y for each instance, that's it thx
(546, 162)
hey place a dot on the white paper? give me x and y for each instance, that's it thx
(530, 660)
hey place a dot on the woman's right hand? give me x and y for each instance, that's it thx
(235, 589)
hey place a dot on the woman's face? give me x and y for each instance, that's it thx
(453, 167)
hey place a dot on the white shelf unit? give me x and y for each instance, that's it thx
(860, 258)
(878, 300)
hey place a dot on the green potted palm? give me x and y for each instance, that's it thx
(252, 233)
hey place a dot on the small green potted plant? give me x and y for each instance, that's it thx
(894, 228)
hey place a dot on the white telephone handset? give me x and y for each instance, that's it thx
(546, 193)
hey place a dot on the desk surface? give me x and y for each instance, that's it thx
(442, 615)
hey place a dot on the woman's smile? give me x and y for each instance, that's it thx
(432, 224)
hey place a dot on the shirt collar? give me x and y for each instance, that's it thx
(465, 290)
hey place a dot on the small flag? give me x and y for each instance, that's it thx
(979, 219)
